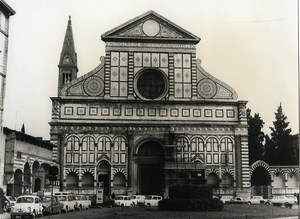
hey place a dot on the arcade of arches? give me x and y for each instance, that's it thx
(103, 160)
(32, 177)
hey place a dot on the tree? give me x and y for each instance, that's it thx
(270, 151)
(281, 143)
(255, 137)
(23, 128)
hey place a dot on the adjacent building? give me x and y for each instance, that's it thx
(27, 160)
(148, 116)
(5, 12)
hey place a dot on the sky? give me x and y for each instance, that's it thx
(251, 45)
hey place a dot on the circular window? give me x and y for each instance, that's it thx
(151, 84)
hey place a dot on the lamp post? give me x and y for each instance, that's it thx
(53, 171)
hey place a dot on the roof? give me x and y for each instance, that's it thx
(6, 8)
(29, 139)
(150, 27)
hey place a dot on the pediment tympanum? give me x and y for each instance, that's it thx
(150, 26)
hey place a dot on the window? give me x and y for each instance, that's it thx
(19, 155)
(151, 84)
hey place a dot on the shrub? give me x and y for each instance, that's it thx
(204, 204)
(190, 192)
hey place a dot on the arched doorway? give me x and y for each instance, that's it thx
(226, 181)
(37, 184)
(87, 180)
(72, 180)
(213, 180)
(17, 190)
(104, 176)
(27, 180)
(150, 166)
(261, 181)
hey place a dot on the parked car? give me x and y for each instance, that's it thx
(49, 203)
(256, 200)
(152, 200)
(237, 200)
(27, 205)
(282, 200)
(69, 204)
(9, 202)
(138, 199)
(123, 200)
(82, 202)
(226, 198)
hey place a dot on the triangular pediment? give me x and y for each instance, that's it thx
(150, 26)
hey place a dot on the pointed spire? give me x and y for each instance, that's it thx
(68, 55)
(68, 59)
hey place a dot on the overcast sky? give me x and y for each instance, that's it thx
(249, 44)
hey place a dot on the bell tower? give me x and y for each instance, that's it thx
(68, 59)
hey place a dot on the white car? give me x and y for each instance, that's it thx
(237, 200)
(123, 200)
(282, 200)
(226, 198)
(152, 200)
(138, 199)
(256, 200)
(27, 205)
(69, 204)
(82, 202)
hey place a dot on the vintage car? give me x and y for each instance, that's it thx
(27, 205)
(226, 198)
(48, 203)
(237, 200)
(69, 204)
(123, 200)
(82, 202)
(9, 202)
(138, 199)
(256, 200)
(280, 200)
(152, 200)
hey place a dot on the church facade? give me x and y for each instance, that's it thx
(147, 117)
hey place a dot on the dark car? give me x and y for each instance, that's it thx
(9, 202)
(107, 202)
(46, 203)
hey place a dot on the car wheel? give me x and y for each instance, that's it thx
(148, 204)
(122, 205)
(249, 203)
